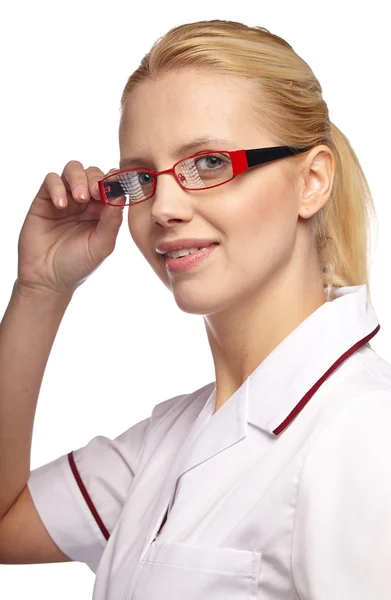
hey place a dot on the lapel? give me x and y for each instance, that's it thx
(223, 429)
(188, 424)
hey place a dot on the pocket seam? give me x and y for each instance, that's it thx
(203, 569)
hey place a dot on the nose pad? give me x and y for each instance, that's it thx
(181, 177)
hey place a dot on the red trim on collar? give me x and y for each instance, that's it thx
(86, 496)
(299, 407)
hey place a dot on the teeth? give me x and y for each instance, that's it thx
(183, 252)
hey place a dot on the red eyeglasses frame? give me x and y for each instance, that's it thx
(241, 160)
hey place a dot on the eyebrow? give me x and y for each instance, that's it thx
(183, 149)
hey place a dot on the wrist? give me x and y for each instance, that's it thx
(33, 293)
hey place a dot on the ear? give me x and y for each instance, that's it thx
(316, 181)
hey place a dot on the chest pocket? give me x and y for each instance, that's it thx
(178, 571)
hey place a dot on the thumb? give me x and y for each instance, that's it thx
(106, 231)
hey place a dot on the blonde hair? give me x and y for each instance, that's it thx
(288, 97)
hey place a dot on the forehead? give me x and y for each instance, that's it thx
(183, 105)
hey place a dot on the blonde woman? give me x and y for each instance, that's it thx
(272, 482)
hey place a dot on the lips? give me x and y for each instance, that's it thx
(190, 261)
(179, 252)
(181, 244)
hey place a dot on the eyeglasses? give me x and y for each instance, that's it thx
(201, 171)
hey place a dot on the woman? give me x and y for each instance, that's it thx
(269, 482)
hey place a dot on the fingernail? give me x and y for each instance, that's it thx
(82, 192)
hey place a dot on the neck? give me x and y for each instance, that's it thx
(241, 337)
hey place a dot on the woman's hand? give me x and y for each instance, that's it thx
(59, 247)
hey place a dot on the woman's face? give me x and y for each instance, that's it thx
(253, 217)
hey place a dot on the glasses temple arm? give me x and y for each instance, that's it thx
(263, 155)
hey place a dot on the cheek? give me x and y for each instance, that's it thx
(262, 221)
(259, 213)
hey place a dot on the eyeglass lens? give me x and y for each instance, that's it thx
(196, 173)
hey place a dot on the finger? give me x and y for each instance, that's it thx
(76, 181)
(53, 189)
(94, 174)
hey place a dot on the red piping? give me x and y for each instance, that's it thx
(317, 385)
(86, 496)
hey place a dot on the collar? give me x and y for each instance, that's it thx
(289, 376)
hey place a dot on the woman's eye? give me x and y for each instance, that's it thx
(144, 178)
(210, 160)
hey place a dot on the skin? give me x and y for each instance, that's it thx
(264, 279)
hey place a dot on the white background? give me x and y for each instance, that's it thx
(63, 69)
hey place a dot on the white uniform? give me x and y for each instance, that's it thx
(283, 493)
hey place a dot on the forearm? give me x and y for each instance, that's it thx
(27, 332)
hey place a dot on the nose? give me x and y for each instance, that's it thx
(170, 202)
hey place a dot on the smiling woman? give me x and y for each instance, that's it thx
(251, 207)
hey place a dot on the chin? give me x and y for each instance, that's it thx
(201, 302)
